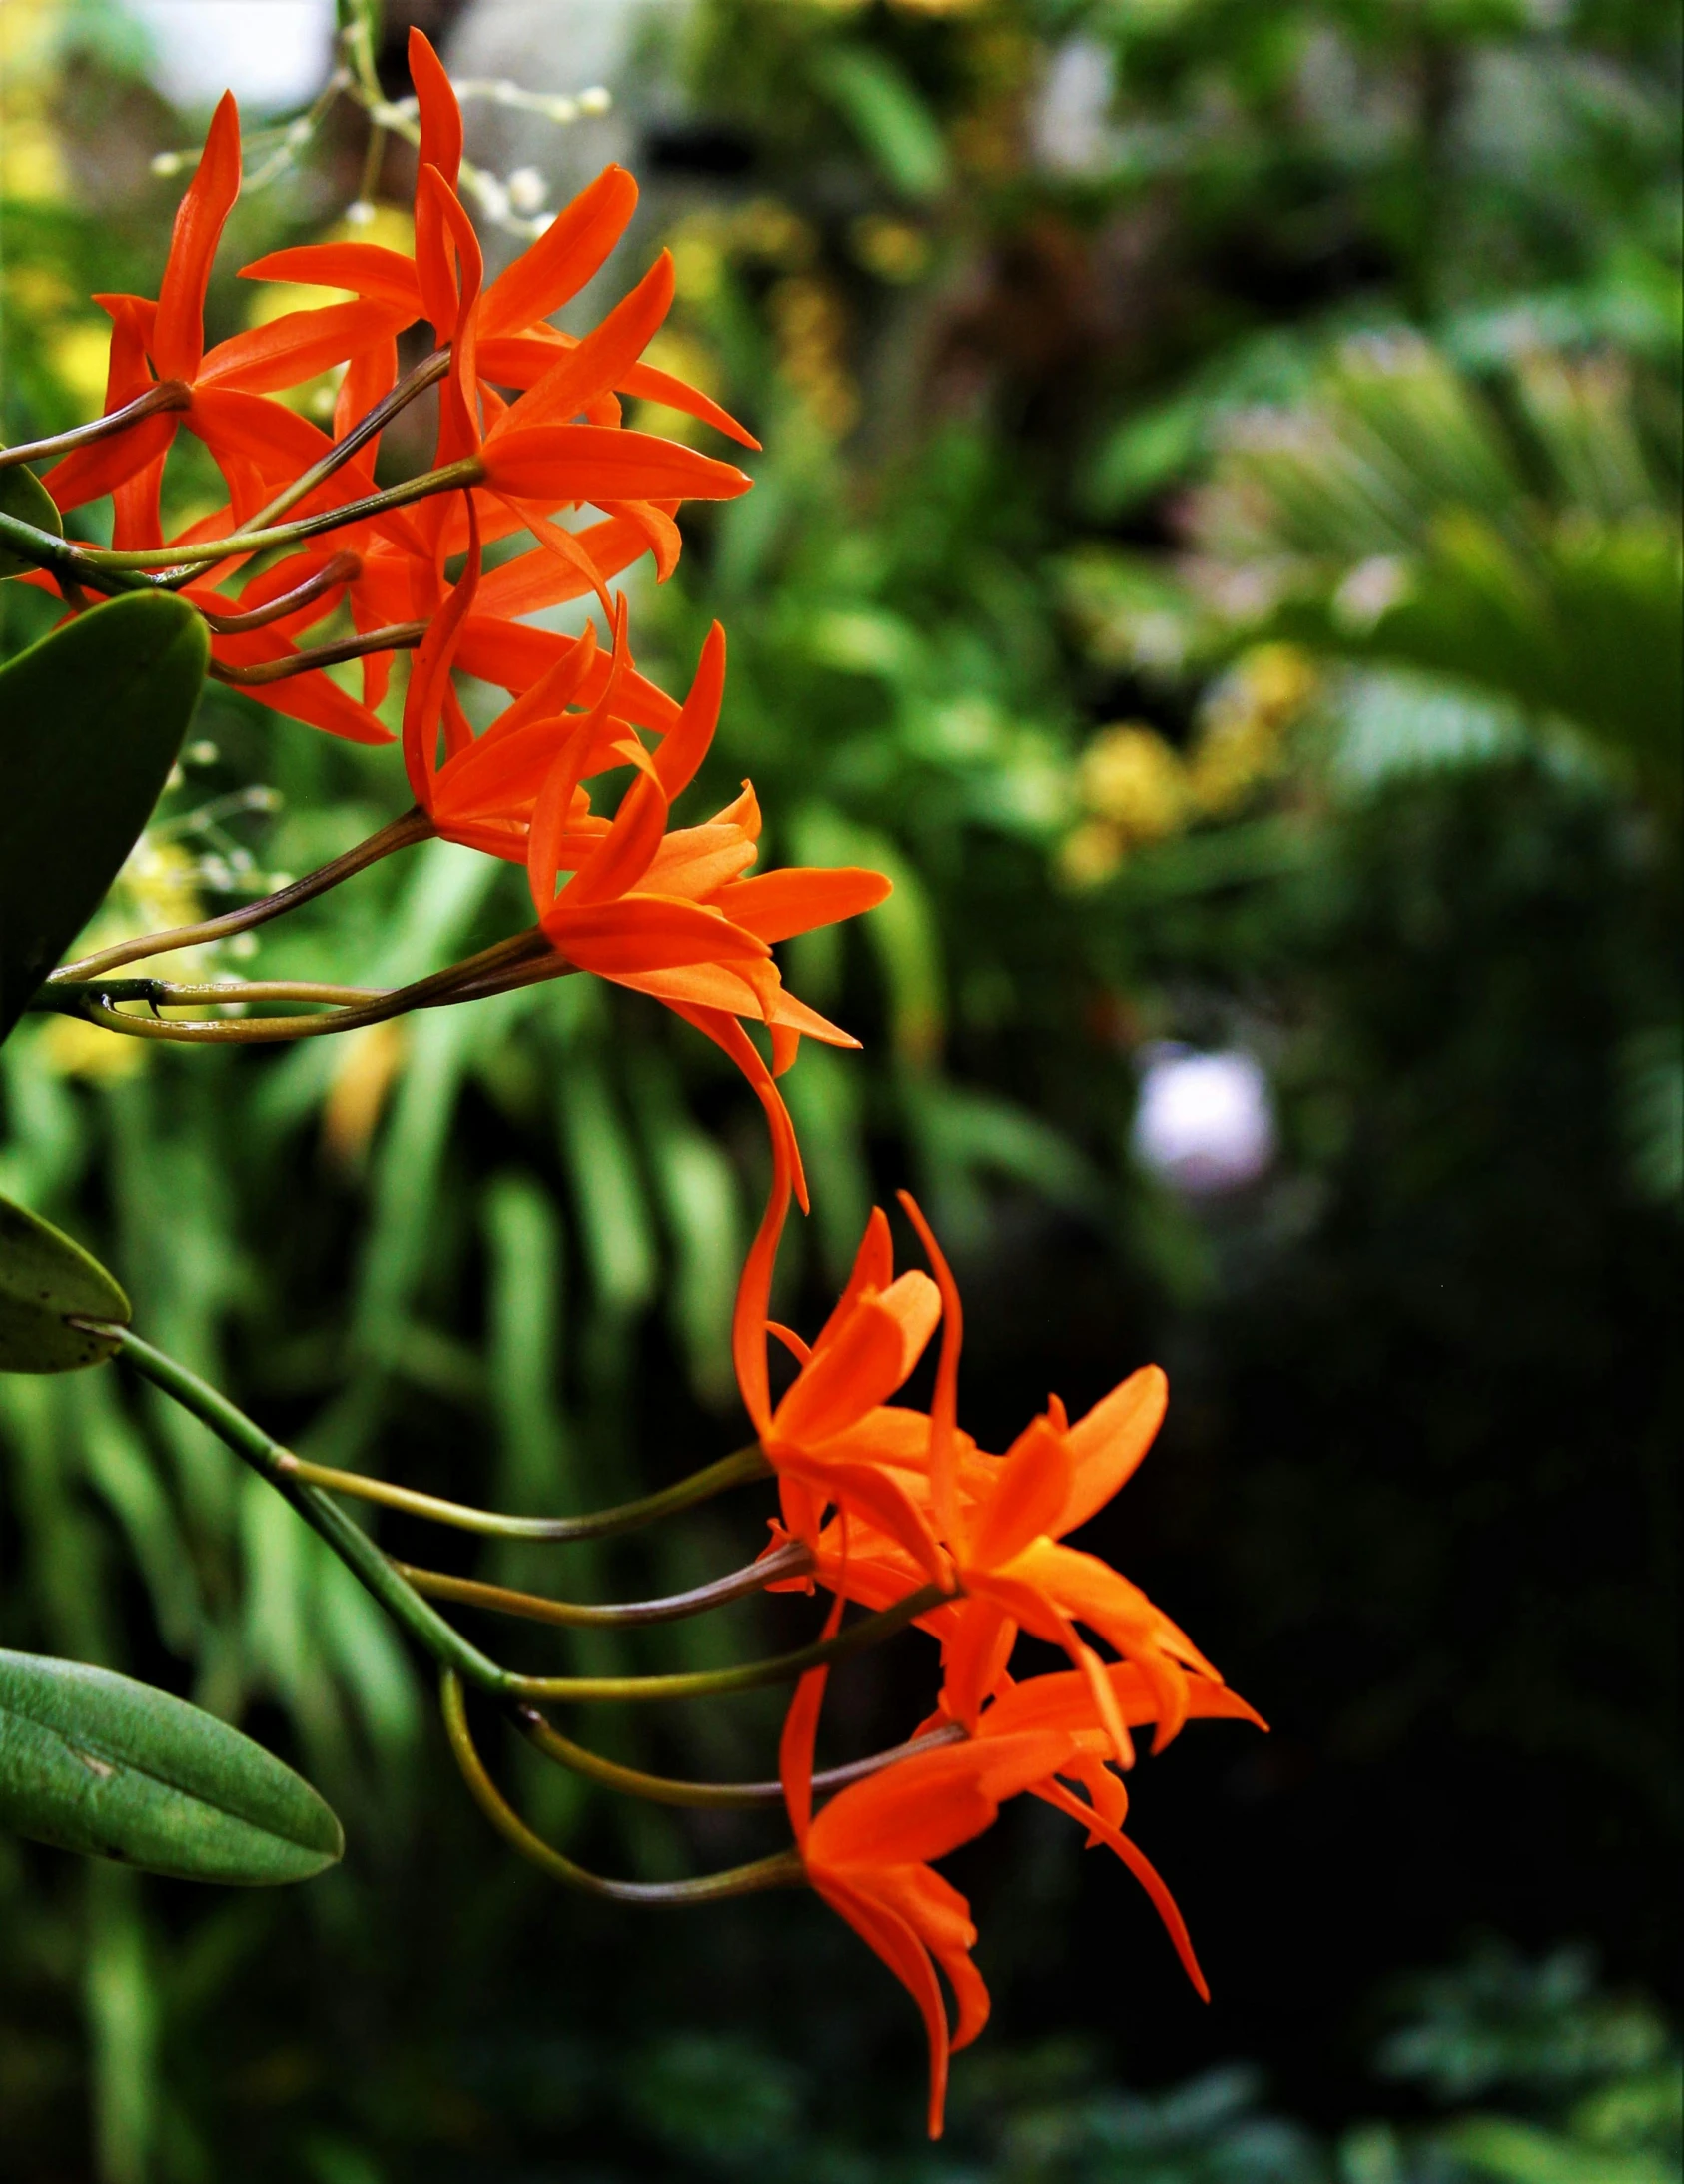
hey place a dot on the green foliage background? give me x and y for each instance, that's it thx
(1312, 414)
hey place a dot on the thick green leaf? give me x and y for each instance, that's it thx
(95, 1762)
(22, 495)
(91, 719)
(44, 1279)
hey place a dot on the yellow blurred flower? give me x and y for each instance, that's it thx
(31, 165)
(368, 1065)
(811, 327)
(1132, 778)
(1089, 854)
(892, 248)
(80, 353)
(70, 1048)
(1241, 739)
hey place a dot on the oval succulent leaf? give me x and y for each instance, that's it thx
(91, 719)
(45, 1282)
(22, 495)
(95, 1762)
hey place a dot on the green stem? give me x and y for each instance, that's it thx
(426, 374)
(183, 562)
(708, 1797)
(414, 826)
(730, 1471)
(424, 1625)
(782, 1870)
(352, 1545)
(469, 980)
(66, 1000)
(790, 1560)
(64, 558)
(751, 1675)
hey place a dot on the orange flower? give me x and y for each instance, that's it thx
(1002, 1521)
(832, 1438)
(228, 383)
(515, 346)
(1065, 1702)
(866, 1854)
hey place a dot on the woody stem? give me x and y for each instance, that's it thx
(398, 637)
(166, 394)
(340, 569)
(414, 826)
(782, 1870)
(426, 374)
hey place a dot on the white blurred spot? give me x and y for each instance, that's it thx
(272, 54)
(1204, 1123)
(1070, 121)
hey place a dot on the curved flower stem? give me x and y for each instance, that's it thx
(65, 560)
(427, 372)
(716, 1796)
(471, 979)
(730, 1471)
(782, 1870)
(398, 637)
(157, 993)
(424, 1623)
(352, 1545)
(180, 562)
(414, 826)
(166, 394)
(343, 568)
(790, 1560)
(751, 1675)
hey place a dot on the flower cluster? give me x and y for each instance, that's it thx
(887, 1507)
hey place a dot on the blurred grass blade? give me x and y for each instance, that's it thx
(91, 719)
(44, 1279)
(608, 1190)
(95, 1762)
(884, 110)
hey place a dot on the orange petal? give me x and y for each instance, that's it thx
(177, 338)
(564, 258)
(554, 464)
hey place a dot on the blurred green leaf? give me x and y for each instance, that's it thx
(45, 1279)
(91, 719)
(882, 106)
(22, 495)
(95, 1762)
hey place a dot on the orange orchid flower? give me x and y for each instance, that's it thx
(516, 348)
(246, 434)
(833, 1439)
(1001, 1521)
(1065, 1702)
(868, 1853)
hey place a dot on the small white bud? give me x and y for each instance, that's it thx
(527, 187)
(202, 754)
(597, 100)
(167, 163)
(299, 132)
(242, 947)
(359, 213)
